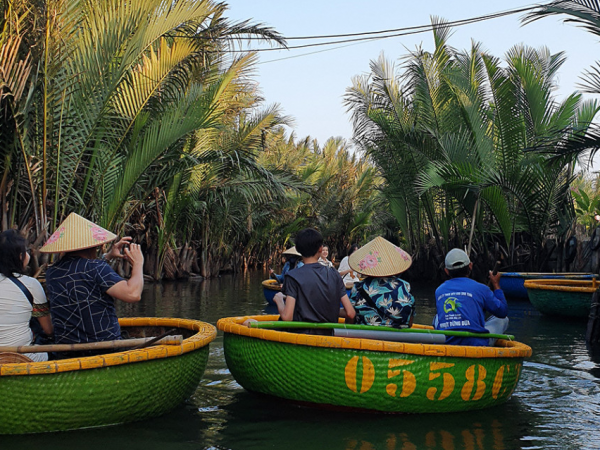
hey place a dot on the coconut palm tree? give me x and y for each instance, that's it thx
(449, 135)
(586, 14)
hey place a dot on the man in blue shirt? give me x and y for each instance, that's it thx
(461, 303)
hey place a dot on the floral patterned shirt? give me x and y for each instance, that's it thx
(394, 303)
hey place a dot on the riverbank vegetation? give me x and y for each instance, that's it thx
(144, 117)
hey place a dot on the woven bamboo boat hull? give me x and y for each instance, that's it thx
(513, 283)
(365, 374)
(270, 288)
(105, 390)
(565, 298)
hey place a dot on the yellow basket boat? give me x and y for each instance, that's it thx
(367, 374)
(107, 389)
(565, 298)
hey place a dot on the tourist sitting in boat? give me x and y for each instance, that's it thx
(462, 303)
(21, 297)
(313, 292)
(293, 261)
(382, 298)
(81, 287)
(323, 259)
(345, 270)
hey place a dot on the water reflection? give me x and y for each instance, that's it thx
(555, 406)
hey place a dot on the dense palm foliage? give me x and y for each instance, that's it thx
(137, 116)
(450, 133)
(584, 13)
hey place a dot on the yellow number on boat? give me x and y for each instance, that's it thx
(368, 374)
(467, 389)
(448, 380)
(409, 382)
(498, 382)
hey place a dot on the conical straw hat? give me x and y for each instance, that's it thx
(76, 233)
(379, 258)
(292, 251)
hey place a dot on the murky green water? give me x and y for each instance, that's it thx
(556, 404)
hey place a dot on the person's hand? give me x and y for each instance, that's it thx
(116, 250)
(134, 255)
(247, 322)
(279, 299)
(495, 280)
(270, 271)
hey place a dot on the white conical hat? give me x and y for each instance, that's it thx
(292, 251)
(76, 233)
(379, 258)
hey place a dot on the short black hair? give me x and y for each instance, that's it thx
(308, 242)
(462, 272)
(13, 248)
(353, 248)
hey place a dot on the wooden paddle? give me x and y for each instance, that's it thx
(334, 326)
(104, 345)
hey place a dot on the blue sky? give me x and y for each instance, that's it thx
(311, 88)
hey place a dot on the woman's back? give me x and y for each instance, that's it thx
(16, 311)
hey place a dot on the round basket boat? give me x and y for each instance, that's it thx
(270, 288)
(513, 283)
(364, 374)
(565, 298)
(107, 389)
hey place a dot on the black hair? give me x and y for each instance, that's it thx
(463, 272)
(12, 253)
(308, 242)
(293, 259)
(353, 248)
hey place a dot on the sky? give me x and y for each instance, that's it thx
(311, 88)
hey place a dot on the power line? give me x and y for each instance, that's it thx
(370, 35)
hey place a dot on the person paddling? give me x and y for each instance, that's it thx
(462, 303)
(82, 288)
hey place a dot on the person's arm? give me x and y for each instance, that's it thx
(130, 291)
(46, 323)
(285, 306)
(347, 312)
(495, 302)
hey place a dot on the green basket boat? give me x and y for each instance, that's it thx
(107, 389)
(565, 298)
(364, 374)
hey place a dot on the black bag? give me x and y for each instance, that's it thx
(39, 337)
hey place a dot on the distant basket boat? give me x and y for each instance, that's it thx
(565, 298)
(107, 389)
(270, 288)
(513, 283)
(365, 374)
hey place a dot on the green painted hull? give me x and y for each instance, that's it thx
(561, 303)
(98, 397)
(371, 380)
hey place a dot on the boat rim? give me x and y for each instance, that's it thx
(564, 285)
(272, 285)
(504, 349)
(205, 334)
(544, 274)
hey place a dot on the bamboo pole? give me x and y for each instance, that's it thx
(104, 345)
(333, 326)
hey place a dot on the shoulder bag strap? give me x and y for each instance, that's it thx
(23, 288)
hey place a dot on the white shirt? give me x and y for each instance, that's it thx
(15, 312)
(348, 278)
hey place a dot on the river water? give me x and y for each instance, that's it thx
(556, 404)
